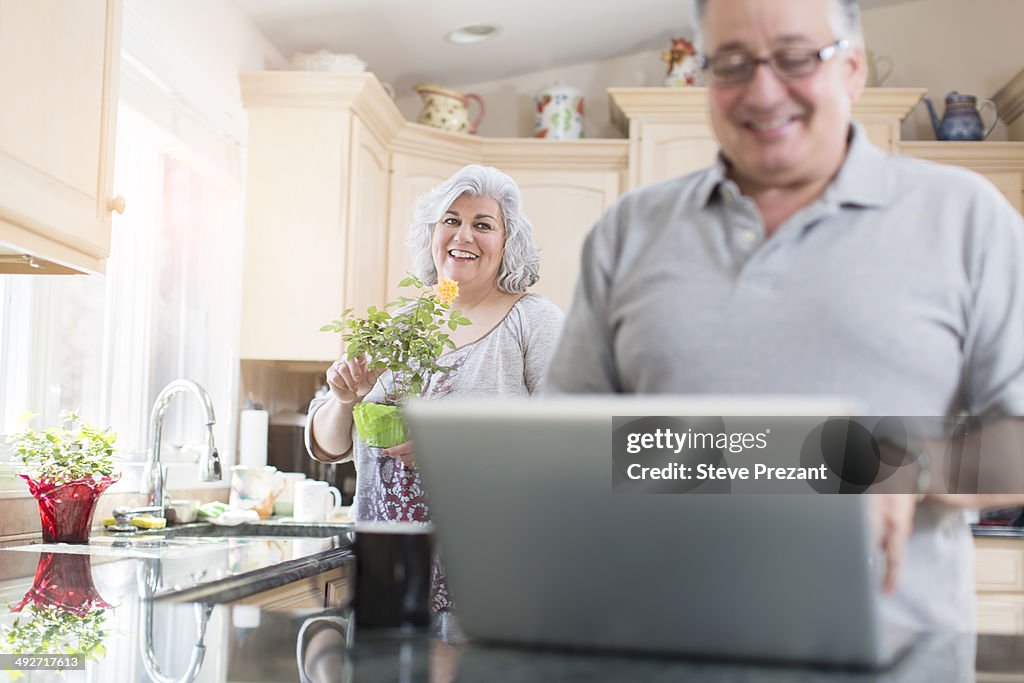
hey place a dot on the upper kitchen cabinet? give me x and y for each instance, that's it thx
(670, 134)
(1002, 163)
(60, 66)
(316, 209)
(566, 186)
(334, 171)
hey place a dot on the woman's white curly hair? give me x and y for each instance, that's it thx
(520, 259)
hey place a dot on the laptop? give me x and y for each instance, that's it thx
(539, 550)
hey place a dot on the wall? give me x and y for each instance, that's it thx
(510, 100)
(195, 49)
(941, 45)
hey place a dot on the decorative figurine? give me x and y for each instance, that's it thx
(683, 67)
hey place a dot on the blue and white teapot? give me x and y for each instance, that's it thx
(962, 118)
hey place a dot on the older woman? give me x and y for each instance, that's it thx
(472, 229)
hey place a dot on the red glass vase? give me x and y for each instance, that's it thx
(64, 581)
(66, 510)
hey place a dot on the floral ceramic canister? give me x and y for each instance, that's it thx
(559, 113)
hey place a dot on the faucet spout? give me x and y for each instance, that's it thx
(209, 464)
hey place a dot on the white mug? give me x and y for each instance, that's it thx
(313, 501)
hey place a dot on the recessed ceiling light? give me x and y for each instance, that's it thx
(474, 33)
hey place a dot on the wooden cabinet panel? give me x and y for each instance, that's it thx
(1010, 183)
(60, 71)
(316, 210)
(1002, 163)
(1003, 614)
(999, 564)
(999, 584)
(412, 175)
(367, 238)
(329, 589)
(564, 206)
(672, 149)
(295, 240)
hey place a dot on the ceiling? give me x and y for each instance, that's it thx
(402, 41)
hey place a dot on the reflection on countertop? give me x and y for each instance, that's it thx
(103, 602)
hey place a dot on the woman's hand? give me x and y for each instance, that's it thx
(405, 452)
(351, 380)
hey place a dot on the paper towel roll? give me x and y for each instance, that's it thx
(252, 438)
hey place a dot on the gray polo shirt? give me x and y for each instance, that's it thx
(900, 288)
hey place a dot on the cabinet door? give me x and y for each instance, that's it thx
(293, 278)
(60, 66)
(1002, 614)
(563, 206)
(668, 149)
(1002, 163)
(411, 177)
(367, 243)
(999, 584)
(1010, 183)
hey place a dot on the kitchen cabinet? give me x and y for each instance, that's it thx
(1002, 163)
(670, 133)
(566, 187)
(316, 208)
(333, 172)
(329, 589)
(61, 63)
(999, 585)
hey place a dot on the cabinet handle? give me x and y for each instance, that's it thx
(116, 204)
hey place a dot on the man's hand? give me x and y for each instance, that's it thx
(892, 517)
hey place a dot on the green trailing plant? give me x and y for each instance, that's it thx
(72, 451)
(52, 629)
(408, 341)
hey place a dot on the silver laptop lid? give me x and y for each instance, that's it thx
(539, 550)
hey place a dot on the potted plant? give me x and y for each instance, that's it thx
(71, 465)
(407, 342)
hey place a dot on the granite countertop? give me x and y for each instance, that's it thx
(106, 594)
(989, 531)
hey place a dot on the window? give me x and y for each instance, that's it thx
(167, 307)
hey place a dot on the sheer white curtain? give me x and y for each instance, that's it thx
(167, 307)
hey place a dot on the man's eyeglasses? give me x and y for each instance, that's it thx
(736, 66)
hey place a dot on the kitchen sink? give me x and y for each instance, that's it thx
(253, 530)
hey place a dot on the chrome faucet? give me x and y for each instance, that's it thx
(149, 579)
(209, 462)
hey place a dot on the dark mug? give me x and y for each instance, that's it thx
(393, 563)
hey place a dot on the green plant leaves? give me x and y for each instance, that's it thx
(72, 451)
(407, 341)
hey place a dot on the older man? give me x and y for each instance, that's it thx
(806, 261)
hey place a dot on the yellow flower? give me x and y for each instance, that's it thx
(447, 290)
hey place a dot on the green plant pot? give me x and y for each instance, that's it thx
(379, 426)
